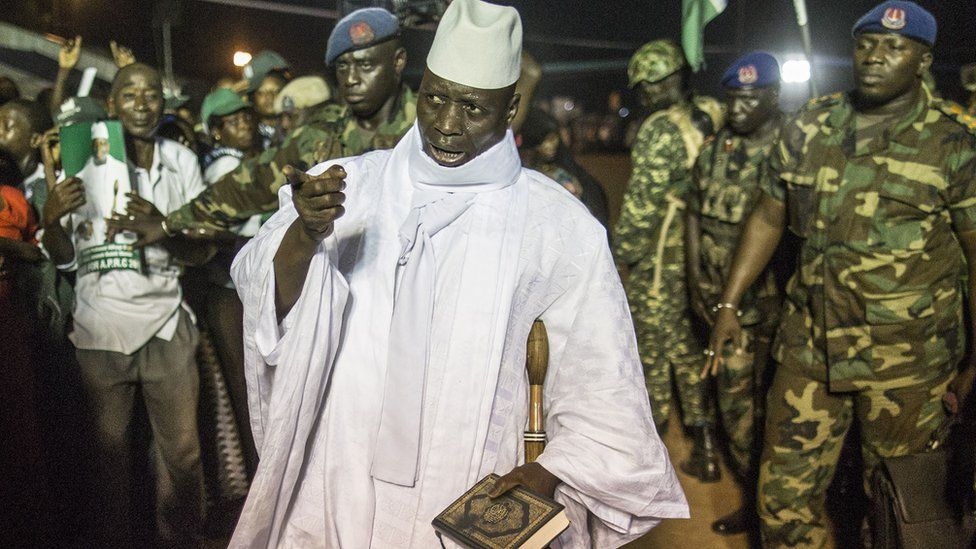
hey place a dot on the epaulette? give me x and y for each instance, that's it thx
(955, 112)
(823, 101)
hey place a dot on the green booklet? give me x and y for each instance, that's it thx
(95, 153)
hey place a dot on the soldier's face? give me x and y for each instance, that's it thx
(887, 66)
(137, 101)
(655, 96)
(369, 77)
(265, 95)
(749, 109)
(15, 131)
(458, 122)
(237, 130)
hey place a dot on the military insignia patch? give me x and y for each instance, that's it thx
(894, 19)
(748, 74)
(361, 34)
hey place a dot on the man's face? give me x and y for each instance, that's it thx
(887, 66)
(137, 101)
(458, 122)
(100, 150)
(237, 130)
(15, 131)
(367, 78)
(265, 95)
(750, 108)
(655, 96)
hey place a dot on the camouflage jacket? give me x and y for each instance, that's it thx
(649, 235)
(725, 189)
(876, 300)
(252, 188)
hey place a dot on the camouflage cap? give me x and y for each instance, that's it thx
(654, 61)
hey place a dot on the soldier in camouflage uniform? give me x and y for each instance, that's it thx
(880, 185)
(726, 181)
(649, 240)
(365, 51)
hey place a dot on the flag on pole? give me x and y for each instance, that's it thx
(695, 15)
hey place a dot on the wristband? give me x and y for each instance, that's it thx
(718, 306)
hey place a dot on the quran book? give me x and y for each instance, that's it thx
(518, 519)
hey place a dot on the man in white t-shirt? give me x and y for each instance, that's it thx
(132, 334)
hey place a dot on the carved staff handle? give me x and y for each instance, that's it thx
(536, 362)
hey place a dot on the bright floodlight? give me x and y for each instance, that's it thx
(796, 71)
(241, 58)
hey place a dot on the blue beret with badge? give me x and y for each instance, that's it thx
(899, 17)
(360, 29)
(756, 69)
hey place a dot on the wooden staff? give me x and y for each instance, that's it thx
(536, 362)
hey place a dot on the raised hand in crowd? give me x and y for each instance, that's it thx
(70, 53)
(67, 60)
(122, 55)
(141, 217)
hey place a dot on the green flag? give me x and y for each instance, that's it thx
(695, 15)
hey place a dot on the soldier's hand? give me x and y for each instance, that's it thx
(726, 329)
(318, 199)
(62, 199)
(959, 389)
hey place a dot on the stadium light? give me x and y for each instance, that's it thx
(241, 58)
(796, 71)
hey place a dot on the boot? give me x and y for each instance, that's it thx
(738, 522)
(703, 462)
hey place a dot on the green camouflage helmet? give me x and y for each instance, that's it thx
(654, 61)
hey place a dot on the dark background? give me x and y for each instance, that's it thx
(583, 45)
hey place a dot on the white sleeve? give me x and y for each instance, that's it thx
(602, 441)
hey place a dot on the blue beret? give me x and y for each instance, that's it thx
(898, 17)
(360, 29)
(754, 70)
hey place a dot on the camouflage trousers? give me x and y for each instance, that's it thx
(671, 353)
(741, 401)
(805, 429)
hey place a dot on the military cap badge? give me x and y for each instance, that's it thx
(748, 75)
(361, 33)
(894, 19)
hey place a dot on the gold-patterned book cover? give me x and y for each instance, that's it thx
(518, 519)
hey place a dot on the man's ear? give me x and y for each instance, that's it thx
(513, 107)
(400, 60)
(110, 105)
(925, 63)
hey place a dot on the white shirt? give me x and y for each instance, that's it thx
(121, 310)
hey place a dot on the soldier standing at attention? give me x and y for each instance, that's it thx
(725, 189)
(364, 49)
(649, 240)
(880, 185)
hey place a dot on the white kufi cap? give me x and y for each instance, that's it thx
(478, 44)
(99, 130)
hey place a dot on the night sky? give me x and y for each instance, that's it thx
(207, 34)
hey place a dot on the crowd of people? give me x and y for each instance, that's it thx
(270, 309)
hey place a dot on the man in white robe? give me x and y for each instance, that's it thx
(387, 306)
